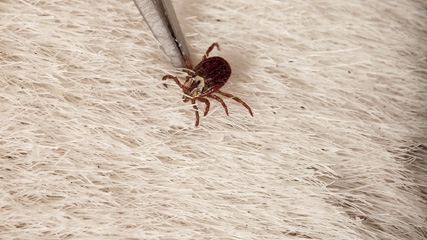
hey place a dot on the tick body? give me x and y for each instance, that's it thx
(205, 79)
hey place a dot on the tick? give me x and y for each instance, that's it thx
(205, 79)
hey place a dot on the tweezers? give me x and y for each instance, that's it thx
(163, 22)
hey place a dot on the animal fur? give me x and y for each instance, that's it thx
(92, 146)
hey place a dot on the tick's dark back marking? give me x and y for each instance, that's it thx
(214, 68)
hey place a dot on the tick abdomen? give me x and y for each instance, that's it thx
(213, 68)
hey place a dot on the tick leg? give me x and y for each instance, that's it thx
(173, 78)
(209, 50)
(193, 101)
(207, 103)
(189, 72)
(237, 100)
(187, 63)
(220, 101)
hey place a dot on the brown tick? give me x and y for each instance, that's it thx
(205, 79)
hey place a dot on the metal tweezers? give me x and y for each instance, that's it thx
(161, 18)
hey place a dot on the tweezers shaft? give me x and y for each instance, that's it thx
(161, 18)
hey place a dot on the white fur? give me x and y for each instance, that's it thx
(94, 147)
